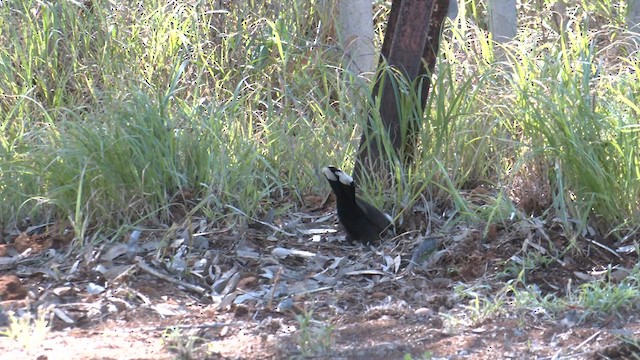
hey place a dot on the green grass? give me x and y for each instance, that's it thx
(170, 99)
(184, 346)
(108, 113)
(315, 338)
(591, 302)
(29, 331)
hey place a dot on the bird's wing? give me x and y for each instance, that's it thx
(377, 218)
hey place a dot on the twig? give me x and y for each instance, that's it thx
(313, 291)
(273, 289)
(605, 247)
(595, 335)
(168, 278)
(272, 227)
(187, 327)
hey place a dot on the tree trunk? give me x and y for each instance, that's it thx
(633, 22)
(502, 20)
(411, 40)
(355, 31)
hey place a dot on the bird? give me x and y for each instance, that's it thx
(361, 220)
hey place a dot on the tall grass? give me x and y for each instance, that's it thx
(128, 105)
(109, 111)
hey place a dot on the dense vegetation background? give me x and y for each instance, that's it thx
(111, 110)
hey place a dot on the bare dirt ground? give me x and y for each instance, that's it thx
(293, 289)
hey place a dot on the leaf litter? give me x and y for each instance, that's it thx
(257, 282)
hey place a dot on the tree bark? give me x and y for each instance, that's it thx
(355, 31)
(633, 22)
(411, 40)
(502, 20)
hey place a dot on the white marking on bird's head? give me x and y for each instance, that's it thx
(329, 174)
(334, 174)
(344, 178)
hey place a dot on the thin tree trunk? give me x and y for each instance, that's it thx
(411, 41)
(502, 20)
(633, 22)
(355, 31)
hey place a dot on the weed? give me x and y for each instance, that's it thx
(182, 344)
(427, 355)
(314, 338)
(28, 331)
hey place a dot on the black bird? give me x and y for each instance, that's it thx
(362, 221)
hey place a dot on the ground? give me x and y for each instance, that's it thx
(296, 289)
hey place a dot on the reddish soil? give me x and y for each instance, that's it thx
(357, 307)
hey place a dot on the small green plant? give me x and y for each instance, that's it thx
(480, 305)
(182, 344)
(427, 355)
(314, 337)
(526, 299)
(453, 324)
(601, 299)
(28, 331)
